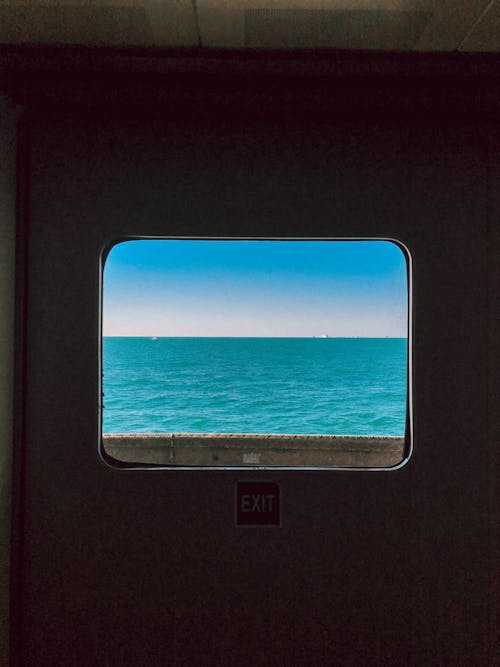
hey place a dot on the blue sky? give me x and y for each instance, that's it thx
(255, 288)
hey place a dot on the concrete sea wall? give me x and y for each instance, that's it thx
(194, 449)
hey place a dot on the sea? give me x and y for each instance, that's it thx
(348, 386)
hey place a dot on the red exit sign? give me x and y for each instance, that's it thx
(258, 504)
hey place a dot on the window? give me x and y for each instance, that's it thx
(224, 352)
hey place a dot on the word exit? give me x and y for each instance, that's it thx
(257, 504)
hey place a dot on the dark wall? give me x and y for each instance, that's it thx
(146, 567)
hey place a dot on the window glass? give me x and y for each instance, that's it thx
(216, 341)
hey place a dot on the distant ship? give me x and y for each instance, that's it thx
(154, 338)
(324, 335)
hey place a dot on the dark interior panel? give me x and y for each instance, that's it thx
(136, 567)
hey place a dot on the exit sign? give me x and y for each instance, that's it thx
(258, 504)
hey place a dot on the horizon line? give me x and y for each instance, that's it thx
(298, 337)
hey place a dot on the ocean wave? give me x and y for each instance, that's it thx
(255, 385)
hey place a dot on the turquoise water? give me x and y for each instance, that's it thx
(255, 385)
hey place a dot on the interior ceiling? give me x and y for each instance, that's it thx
(382, 25)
